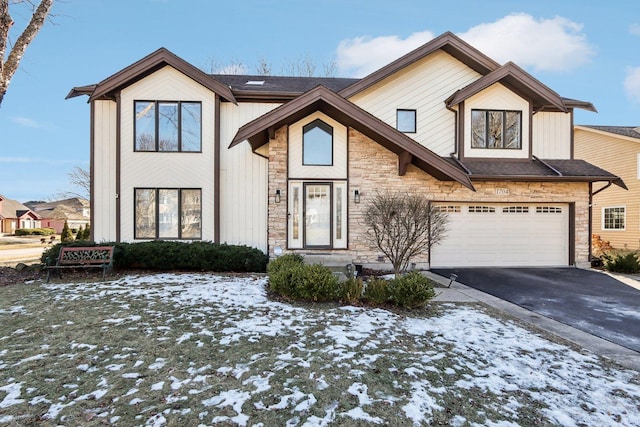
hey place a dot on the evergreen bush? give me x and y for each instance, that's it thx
(166, 255)
(411, 290)
(66, 235)
(622, 262)
(34, 231)
(377, 291)
(350, 290)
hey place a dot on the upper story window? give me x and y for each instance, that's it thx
(406, 121)
(498, 129)
(317, 144)
(168, 126)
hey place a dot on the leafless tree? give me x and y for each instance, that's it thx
(304, 66)
(80, 180)
(403, 226)
(10, 56)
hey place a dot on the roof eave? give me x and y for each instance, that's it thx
(448, 42)
(151, 63)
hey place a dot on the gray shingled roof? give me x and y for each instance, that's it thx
(561, 169)
(281, 84)
(14, 209)
(629, 131)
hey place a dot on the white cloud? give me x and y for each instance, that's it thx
(634, 29)
(556, 44)
(362, 55)
(632, 83)
(26, 122)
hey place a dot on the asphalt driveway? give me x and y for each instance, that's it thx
(587, 300)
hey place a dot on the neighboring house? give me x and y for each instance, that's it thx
(75, 211)
(14, 215)
(289, 164)
(616, 212)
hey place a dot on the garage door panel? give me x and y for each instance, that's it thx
(505, 235)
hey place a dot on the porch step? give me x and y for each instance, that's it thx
(329, 260)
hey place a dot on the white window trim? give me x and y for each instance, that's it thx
(602, 227)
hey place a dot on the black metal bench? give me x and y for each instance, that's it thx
(82, 257)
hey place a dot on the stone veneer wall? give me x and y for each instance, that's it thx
(373, 168)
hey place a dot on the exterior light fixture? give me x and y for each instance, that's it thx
(356, 196)
(277, 196)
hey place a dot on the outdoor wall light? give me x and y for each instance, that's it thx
(356, 196)
(277, 196)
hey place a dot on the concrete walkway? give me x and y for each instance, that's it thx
(461, 293)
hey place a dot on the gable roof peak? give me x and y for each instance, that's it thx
(448, 42)
(151, 63)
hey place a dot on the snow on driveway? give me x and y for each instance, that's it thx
(316, 365)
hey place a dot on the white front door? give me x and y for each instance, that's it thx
(317, 215)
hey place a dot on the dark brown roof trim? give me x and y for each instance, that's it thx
(324, 100)
(537, 178)
(152, 63)
(81, 90)
(448, 42)
(516, 79)
(584, 105)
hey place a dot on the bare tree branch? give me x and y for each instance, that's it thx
(80, 179)
(9, 66)
(403, 226)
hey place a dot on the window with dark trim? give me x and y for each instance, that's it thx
(168, 213)
(406, 121)
(613, 218)
(496, 129)
(168, 126)
(317, 144)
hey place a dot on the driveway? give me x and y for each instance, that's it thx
(587, 300)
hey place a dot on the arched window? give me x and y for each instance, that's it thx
(317, 144)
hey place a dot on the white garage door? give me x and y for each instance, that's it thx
(505, 235)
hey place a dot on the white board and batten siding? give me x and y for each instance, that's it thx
(552, 135)
(166, 170)
(504, 235)
(243, 179)
(423, 87)
(104, 171)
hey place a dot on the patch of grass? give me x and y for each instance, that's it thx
(199, 349)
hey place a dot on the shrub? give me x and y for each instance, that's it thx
(291, 278)
(377, 291)
(622, 262)
(34, 231)
(285, 261)
(66, 235)
(87, 233)
(411, 290)
(164, 255)
(350, 290)
(80, 234)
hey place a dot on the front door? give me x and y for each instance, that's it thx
(317, 215)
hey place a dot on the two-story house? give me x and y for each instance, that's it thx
(288, 164)
(615, 212)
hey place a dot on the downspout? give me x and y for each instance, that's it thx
(455, 131)
(591, 194)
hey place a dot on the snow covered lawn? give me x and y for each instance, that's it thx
(200, 349)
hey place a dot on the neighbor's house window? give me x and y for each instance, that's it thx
(406, 121)
(613, 218)
(168, 213)
(168, 126)
(317, 144)
(496, 129)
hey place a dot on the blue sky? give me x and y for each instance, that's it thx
(586, 50)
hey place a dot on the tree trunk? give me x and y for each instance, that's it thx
(9, 66)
